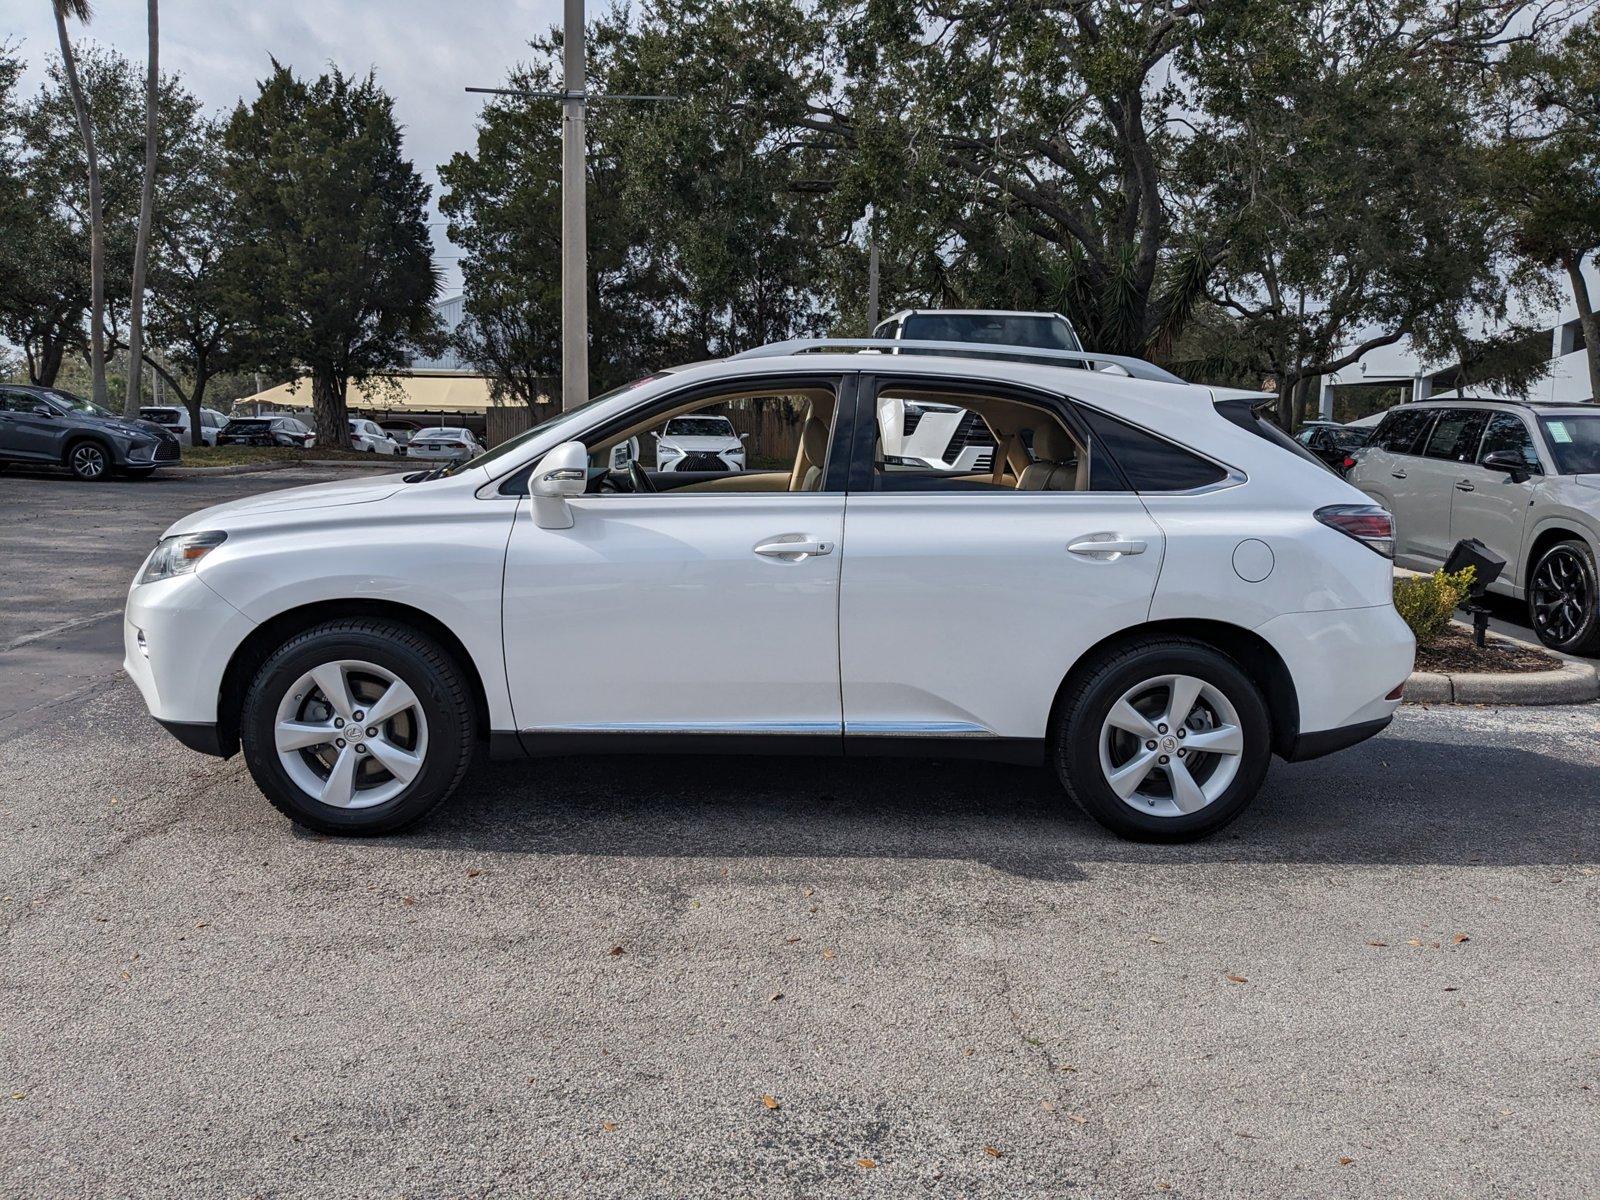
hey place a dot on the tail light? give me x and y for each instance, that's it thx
(1349, 461)
(1369, 524)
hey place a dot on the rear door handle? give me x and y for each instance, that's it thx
(1398, 474)
(1105, 547)
(793, 547)
(1465, 485)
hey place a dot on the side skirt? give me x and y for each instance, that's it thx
(547, 743)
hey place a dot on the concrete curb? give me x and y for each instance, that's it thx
(1572, 683)
(280, 465)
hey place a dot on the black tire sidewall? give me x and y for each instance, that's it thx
(1077, 739)
(414, 659)
(72, 461)
(1587, 639)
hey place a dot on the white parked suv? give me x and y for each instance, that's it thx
(1149, 589)
(1523, 478)
(701, 442)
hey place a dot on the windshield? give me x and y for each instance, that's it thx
(571, 417)
(247, 425)
(160, 414)
(700, 427)
(1041, 332)
(1574, 442)
(1349, 439)
(77, 404)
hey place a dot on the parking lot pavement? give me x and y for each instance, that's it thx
(586, 977)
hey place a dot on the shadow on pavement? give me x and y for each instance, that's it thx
(1392, 800)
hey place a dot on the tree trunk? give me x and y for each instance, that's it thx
(97, 232)
(141, 245)
(1586, 321)
(330, 415)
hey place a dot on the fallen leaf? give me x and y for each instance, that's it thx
(1379, 944)
(790, 941)
(1344, 1161)
(1505, 1112)
(1156, 941)
(473, 872)
(1413, 941)
(609, 1126)
(201, 924)
(1237, 979)
(1459, 938)
(775, 997)
(805, 891)
(409, 900)
(1069, 1067)
(615, 951)
(991, 1152)
(828, 952)
(19, 1095)
(1047, 1105)
(1076, 1119)
(866, 1162)
(1451, 989)
(769, 1102)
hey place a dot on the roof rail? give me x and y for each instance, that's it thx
(1135, 367)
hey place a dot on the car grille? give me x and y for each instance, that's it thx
(702, 462)
(166, 452)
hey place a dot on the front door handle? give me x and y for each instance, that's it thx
(1398, 474)
(794, 547)
(1106, 547)
(1465, 485)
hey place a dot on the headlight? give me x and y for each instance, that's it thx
(180, 554)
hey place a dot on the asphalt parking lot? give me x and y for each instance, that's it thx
(769, 977)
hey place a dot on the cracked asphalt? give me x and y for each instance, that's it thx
(583, 977)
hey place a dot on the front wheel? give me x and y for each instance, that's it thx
(1163, 740)
(1564, 600)
(358, 727)
(88, 461)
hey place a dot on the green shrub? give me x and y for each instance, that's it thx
(1425, 602)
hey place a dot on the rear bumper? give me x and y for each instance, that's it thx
(1345, 664)
(1328, 741)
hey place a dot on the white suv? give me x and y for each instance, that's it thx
(1148, 589)
(700, 442)
(1522, 478)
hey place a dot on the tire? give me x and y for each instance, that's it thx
(1167, 801)
(88, 461)
(433, 735)
(1564, 598)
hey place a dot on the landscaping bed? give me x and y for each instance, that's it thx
(1453, 650)
(239, 456)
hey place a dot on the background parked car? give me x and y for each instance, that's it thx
(702, 442)
(1523, 478)
(370, 438)
(268, 431)
(443, 443)
(1333, 444)
(175, 420)
(1041, 330)
(46, 425)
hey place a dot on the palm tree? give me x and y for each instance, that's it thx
(79, 11)
(141, 245)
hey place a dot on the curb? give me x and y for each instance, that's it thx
(1572, 683)
(275, 465)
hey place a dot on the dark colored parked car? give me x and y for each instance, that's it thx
(267, 431)
(47, 425)
(1334, 444)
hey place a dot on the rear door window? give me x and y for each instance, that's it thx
(1403, 429)
(1454, 437)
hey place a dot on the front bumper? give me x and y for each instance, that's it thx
(178, 638)
(149, 454)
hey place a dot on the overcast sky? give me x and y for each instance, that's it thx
(424, 53)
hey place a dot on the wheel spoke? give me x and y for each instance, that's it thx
(392, 703)
(1224, 739)
(330, 680)
(1126, 717)
(341, 785)
(1185, 691)
(302, 735)
(1186, 793)
(1125, 780)
(402, 764)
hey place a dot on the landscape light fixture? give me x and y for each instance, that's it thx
(1486, 567)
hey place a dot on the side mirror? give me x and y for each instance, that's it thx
(744, 437)
(1511, 463)
(561, 473)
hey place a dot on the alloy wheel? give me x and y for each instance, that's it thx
(351, 734)
(1171, 745)
(1563, 594)
(89, 461)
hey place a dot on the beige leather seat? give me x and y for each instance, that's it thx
(1053, 451)
(813, 453)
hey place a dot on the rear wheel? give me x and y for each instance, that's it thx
(1163, 740)
(358, 727)
(1564, 599)
(88, 461)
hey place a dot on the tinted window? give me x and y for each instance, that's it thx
(1455, 434)
(1506, 431)
(1402, 430)
(1149, 463)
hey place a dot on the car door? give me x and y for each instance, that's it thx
(709, 608)
(1384, 471)
(966, 596)
(1451, 443)
(24, 432)
(1490, 505)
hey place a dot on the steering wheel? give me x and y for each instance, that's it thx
(641, 481)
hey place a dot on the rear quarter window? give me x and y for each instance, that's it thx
(1149, 463)
(1402, 430)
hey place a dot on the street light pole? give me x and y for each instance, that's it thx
(574, 227)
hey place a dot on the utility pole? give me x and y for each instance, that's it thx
(574, 97)
(574, 219)
(872, 270)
